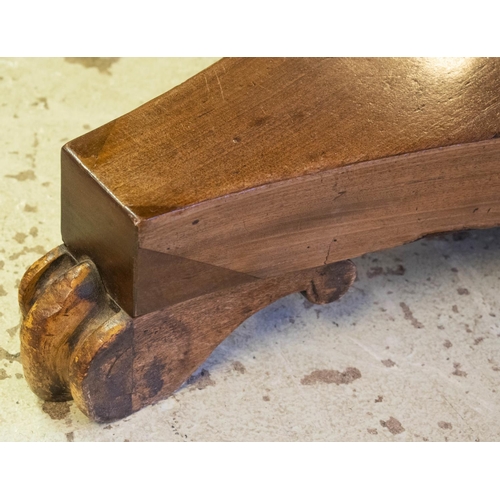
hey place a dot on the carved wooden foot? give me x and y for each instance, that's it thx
(77, 343)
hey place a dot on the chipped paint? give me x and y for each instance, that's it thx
(56, 411)
(102, 64)
(393, 425)
(239, 367)
(348, 376)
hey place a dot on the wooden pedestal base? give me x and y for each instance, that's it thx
(77, 343)
(201, 207)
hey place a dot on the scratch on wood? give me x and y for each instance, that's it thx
(220, 86)
(340, 193)
(328, 252)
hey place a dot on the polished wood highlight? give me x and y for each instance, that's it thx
(243, 123)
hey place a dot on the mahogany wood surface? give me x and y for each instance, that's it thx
(256, 167)
(254, 179)
(321, 218)
(76, 343)
(247, 122)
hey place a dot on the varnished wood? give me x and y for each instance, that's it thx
(243, 123)
(303, 162)
(76, 343)
(93, 223)
(252, 180)
(320, 218)
(62, 302)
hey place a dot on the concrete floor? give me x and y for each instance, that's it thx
(421, 325)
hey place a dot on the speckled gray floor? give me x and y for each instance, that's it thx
(411, 353)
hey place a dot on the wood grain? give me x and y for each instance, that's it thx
(259, 167)
(171, 343)
(243, 123)
(76, 343)
(94, 224)
(339, 214)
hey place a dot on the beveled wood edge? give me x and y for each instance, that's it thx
(330, 216)
(149, 226)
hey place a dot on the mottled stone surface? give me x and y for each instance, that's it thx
(411, 353)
